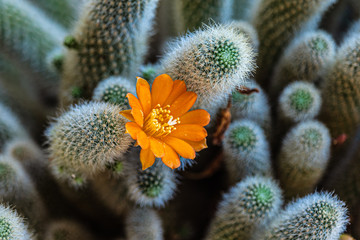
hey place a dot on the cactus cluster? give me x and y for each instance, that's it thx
(186, 119)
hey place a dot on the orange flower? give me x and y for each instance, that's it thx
(161, 123)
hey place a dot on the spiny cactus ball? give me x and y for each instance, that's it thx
(253, 201)
(246, 150)
(245, 28)
(87, 137)
(212, 62)
(12, 226)
(299, 101)
(303, 158)
(114, 90)
(319, 216)
(152, 187)
(306, 58)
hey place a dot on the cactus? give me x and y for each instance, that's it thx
(151, 187)
(192, 14)
(143, 224)
(299, 101)
(319, 216)
(64, 11)
(114, 90)
(277, 23)
(149, 72)
(303, 158)
(340, 91)
(29, 33)
(253, 201)
(10, 127)
(12, 226)
(212, 62)
(87, 137)
(104, 49)
(246, 151)
(244, 28)
(242, 9)
(67, 230)
(254, 107)
(305, 59)
(17, 188)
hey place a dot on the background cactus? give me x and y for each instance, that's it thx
(67, 230)
(103, 48)
(341, 90)
(254, 201)
(254, 107)
(191, 15)
(242, 9)
(305, 59)
(303, 158)
(277, 23)
(143, 223)
(12, 225)
(318, 216)
(212, 62)
(246, 151)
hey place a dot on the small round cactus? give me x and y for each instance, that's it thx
(114, 90)
(149, 72)
(253, 201)
(12, 226)
(242, 27)
(254, 107)
(298, 102)
(212, 62)
(246, 151)
(305, 59)
(151, 187)
(67, 230)
(88, 137)
(143, 223)
(303, 158)
(319, 216)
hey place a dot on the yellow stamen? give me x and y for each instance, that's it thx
(160, 122)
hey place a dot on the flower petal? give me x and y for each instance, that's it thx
(157, 147)
(171, 158)
(200, 117)
(198, 146)
(127, 114)
(179, 88)
(182, 104)
(133, 129)
(191, 132)
(147, 158)
(136, 109)
(138, 116)
(143, 140)
(161, 89)
(181, 147)
(144, 95)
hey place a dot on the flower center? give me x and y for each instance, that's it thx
(160, 122)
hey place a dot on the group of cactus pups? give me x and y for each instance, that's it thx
(280, 79)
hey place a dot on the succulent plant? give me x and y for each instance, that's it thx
(143, 223)
(317, 216)
(246, 151)
(212, 62)
(13, 226)
(303, 158)
(67, 230)
(253, 201)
